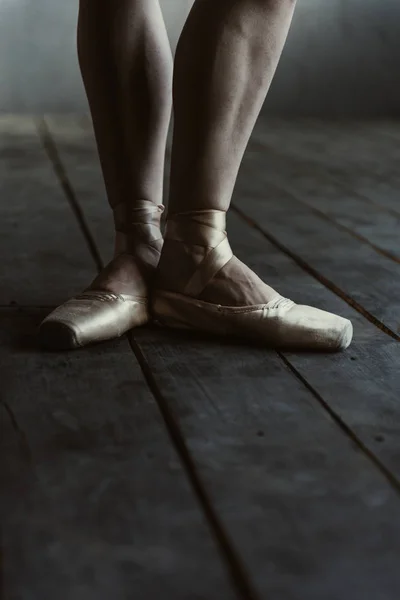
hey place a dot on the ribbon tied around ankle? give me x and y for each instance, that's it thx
(140, 222)
(203, 228)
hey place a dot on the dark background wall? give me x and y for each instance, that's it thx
(342, 57)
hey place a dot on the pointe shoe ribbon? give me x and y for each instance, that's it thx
(205, 228)
(134, 224)
(99, 315)
(280, 323)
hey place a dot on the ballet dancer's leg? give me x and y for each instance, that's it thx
(126, 65)
(225, 61)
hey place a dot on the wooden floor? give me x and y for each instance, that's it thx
(171, 467)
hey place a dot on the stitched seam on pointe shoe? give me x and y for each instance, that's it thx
(179, 297)
(245, 309)
(139, 299)
(238, 310)
(100, 295)
(110, 297)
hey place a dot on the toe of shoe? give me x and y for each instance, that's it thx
(346, 335)
(58, 335)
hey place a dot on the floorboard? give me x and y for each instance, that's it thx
(35, 232)
(96, 502)
(361, 386)
(310, 509)
(309, 183)
(365, 277)
(94, 497)
(294, 492)
(367, 170)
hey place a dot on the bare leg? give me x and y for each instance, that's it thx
(225, 61)
(126, 64)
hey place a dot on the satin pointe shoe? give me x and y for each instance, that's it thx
(97, 315)
(280, 324)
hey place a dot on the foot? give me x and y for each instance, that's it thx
(115, 302)
(138, 244)
(130, 273)
(118, 298)
(201, 285)
(234, 285)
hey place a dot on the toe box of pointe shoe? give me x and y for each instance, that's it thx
(56, 335)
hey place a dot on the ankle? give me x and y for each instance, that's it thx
(137, 226)
(177, 263)
(197, 228)
(133, 244)
(189, 238)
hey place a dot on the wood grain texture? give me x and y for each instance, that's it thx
(95, 502)
(301, 503)
(365, 276)
(310, 514)
(37, 226)
(362, 384)
(353, 154)
(309, 183)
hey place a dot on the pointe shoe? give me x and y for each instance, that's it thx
(280, 324)
(99, 315)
